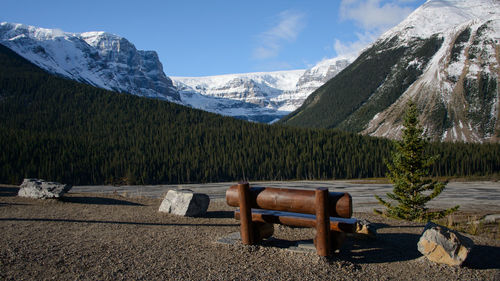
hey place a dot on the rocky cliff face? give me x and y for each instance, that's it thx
(97, 58)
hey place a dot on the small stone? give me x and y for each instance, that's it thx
(364, 230)
(41, 189)
(185, 203)
(442, 245)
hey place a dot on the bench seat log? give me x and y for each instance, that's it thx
(347, 225)
(292, 200)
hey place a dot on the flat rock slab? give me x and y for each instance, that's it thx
(185, 203)
(41, 189)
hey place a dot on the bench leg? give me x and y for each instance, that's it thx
(322, 237)
(246, 225)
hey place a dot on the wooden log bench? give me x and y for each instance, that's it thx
(261, 207)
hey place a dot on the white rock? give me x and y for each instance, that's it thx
(442, 245)
(41, 189)
(185, 203)
(491, 218)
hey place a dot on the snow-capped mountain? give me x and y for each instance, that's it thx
(97, 58)
(261, 96)
(251, 96)
(445, 56)
(460, 84)
(112, 62)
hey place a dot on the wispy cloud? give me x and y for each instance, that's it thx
(290, 24)
(373, 14)
(374, 17)
(352, 49)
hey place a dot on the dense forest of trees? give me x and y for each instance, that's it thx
(65, 131)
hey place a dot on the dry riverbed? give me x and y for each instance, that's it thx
(96, 236)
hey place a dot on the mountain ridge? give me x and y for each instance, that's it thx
(444, 56)
(100, 59)
(112, 62)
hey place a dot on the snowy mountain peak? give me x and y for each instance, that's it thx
(17, 30)
(443, 56)
(458, 89)
(437, 16)
(98, 58)
(101, 39)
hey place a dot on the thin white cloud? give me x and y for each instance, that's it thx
(373, 14)
(352, 49)
(374, 17)
(289, 25)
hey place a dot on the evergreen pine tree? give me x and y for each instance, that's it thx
(409, 173)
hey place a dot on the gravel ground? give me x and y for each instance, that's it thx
(89, 236)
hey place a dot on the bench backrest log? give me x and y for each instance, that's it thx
(292, 200)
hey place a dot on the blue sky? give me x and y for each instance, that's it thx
(199, 38)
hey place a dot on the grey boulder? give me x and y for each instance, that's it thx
(41, 189)
(185, 203)
(442, 245)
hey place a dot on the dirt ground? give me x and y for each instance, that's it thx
(88, 236)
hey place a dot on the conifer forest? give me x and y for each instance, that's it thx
(61, 130)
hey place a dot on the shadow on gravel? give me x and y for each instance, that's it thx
(8, 191)
(388, 247)
(111, 222)
(280, 243)
(483, 257)
(12, 204)
(219, 215)
(98, 201)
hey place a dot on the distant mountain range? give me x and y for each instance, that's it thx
(445, 56)
(112, 62)
(262, 97)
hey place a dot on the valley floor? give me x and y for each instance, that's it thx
(91, 236)
(471, 196)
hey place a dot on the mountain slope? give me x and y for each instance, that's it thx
(445, 56)
(96, 58)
